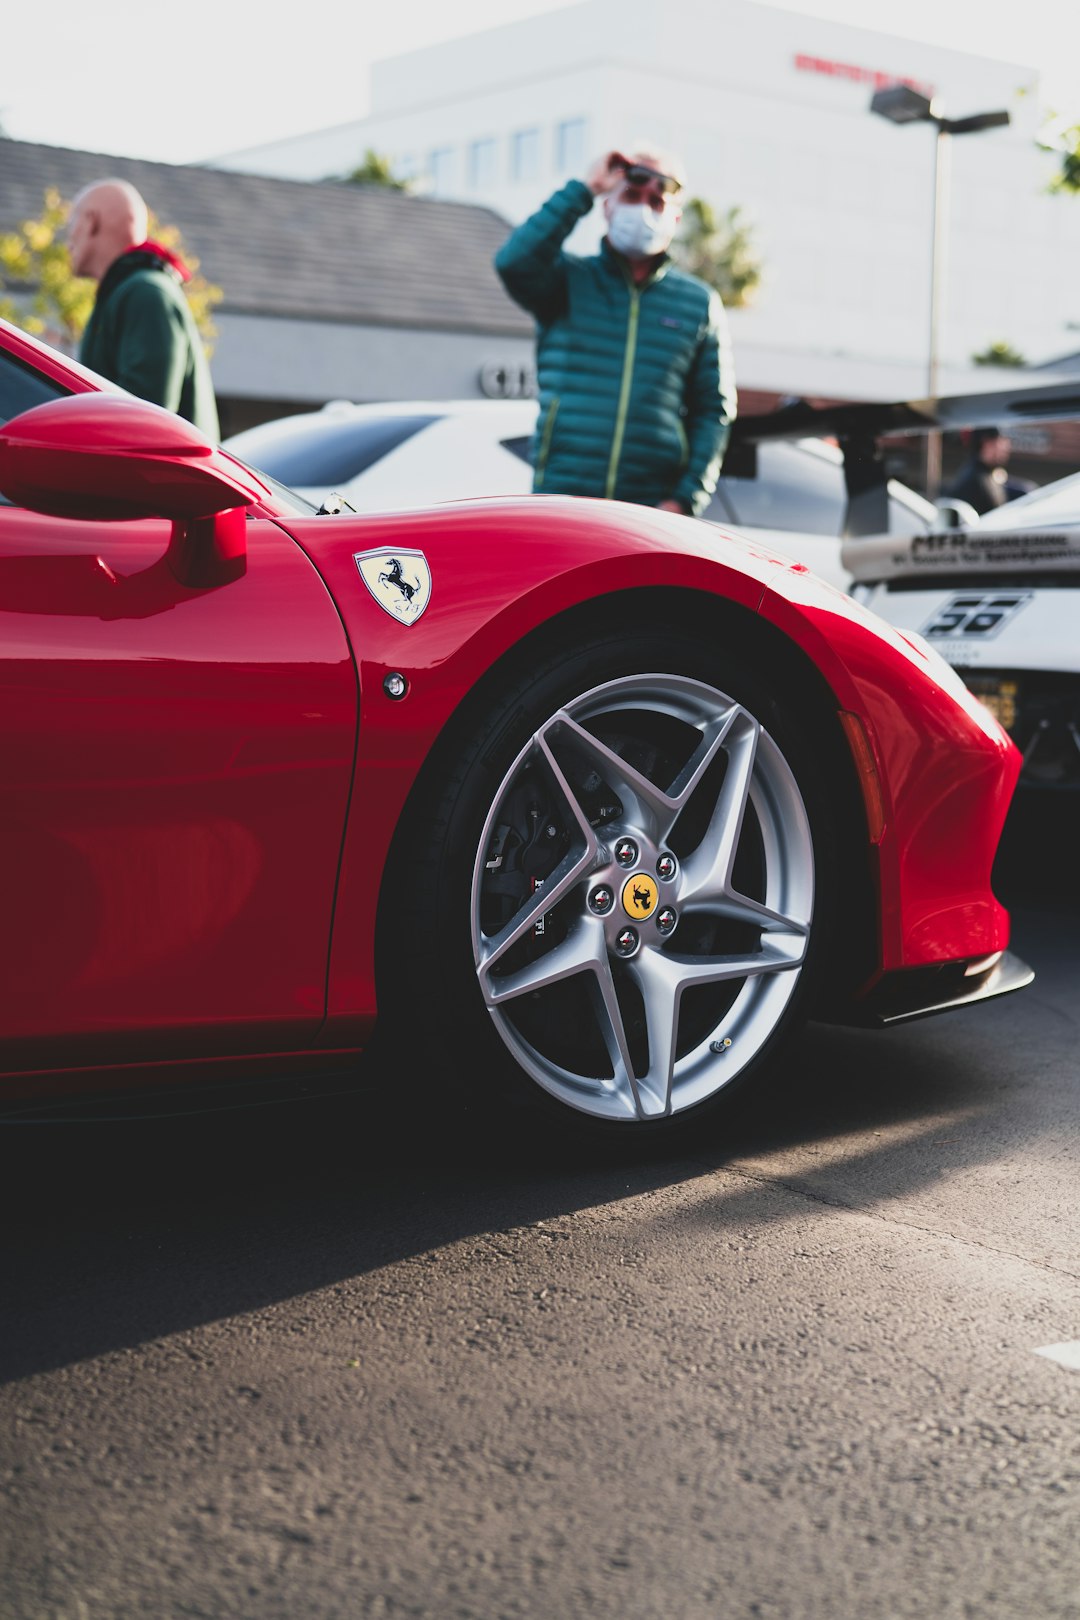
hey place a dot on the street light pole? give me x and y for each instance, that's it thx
(901, 104)
(938, 251)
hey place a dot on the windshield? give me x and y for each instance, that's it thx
(1057, 502)
(321, 451)
(21, 388)
(51, 355)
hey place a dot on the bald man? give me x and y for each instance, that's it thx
(141, 333)
(632, 356)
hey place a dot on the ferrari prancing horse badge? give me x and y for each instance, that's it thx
(400, 581)
(639, 895)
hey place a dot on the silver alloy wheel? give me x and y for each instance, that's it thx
(669, 1028)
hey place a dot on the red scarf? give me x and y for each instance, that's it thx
(162, 252)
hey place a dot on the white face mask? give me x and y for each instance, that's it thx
(637, 230)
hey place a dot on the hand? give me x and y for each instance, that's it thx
(672, 506)
(606, 173)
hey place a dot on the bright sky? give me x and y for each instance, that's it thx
(144, 80)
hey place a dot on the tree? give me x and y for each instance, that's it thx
(376, 170)
(1064, 141)
(720, 248)
(999, 353)
(1068, 176)
(34, 263)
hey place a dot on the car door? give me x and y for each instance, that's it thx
(176, 771)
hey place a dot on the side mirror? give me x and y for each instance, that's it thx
(105, 456)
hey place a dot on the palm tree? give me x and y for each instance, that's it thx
(720, 248)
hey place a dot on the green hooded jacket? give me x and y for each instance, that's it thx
(143, 336)
(636, 380)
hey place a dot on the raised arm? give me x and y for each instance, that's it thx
(531, 262)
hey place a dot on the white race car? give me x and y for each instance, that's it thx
(999, 600)
(1001, 603)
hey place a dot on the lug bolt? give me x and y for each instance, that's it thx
(666, 867)
(601, 900)
(666, 919)
(626, 852)
(626, 942)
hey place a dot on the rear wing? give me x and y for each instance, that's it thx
(858, 429)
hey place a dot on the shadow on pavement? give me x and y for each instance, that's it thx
(121, 1233)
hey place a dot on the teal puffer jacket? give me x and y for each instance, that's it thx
(635, 380)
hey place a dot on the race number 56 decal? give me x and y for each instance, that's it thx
(975, 614)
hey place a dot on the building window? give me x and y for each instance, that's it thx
(525, 154)
(407, 166)
(570, 146)
(483, 164)
(441, 168)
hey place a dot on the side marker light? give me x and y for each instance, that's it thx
(867, 772)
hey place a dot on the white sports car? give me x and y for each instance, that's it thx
(398, 455)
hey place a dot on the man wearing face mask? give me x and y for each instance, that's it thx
(634, 366)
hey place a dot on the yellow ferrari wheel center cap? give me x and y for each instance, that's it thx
(639, 895)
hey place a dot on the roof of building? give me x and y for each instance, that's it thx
(315, 250)
(1067, 364)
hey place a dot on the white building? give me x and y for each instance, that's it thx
(771, 111)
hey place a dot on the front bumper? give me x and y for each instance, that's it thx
(919, 992)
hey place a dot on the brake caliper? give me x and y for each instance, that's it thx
(527, 845)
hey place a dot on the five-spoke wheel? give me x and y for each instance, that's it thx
(643, 896)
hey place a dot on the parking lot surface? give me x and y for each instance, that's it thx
(348, 1360)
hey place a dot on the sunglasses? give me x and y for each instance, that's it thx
(638, 175)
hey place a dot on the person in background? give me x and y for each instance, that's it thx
(982, 481)
(141, 333)
(634, 366)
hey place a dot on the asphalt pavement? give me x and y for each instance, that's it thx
(356, 1359)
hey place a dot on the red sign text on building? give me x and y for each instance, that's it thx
(858, 75)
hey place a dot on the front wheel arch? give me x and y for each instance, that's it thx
(797, 681)
(425, 893)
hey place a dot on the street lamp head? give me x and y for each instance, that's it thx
(900, 104)
(976, 121)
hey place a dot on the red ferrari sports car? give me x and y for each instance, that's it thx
(571, 795)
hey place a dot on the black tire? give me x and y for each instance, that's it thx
(499, 813)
